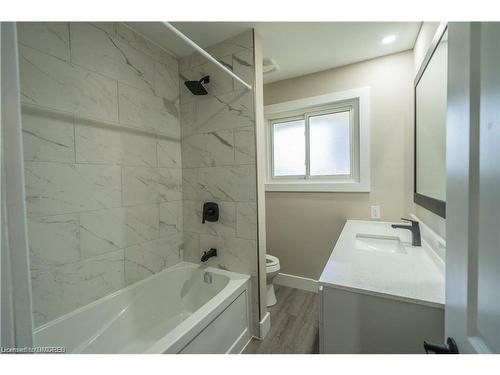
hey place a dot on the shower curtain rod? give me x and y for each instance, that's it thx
(206, 54)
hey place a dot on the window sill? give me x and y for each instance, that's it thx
(319, 186)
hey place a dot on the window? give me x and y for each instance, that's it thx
(316, 146)
(289, 154)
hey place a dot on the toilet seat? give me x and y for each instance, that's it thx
(272, 264)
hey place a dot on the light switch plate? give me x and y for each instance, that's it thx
(375, 212)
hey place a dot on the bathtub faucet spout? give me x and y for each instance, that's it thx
(208, 254)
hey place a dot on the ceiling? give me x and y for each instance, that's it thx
(297, 47)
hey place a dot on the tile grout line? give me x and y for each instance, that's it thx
(121, 186)
(31, 217)
(100, 122)
(74, 137)
(69, 43)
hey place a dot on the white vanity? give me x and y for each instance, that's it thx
(379, 294)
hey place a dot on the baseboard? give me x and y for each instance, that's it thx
(297, 282)
(265, 325)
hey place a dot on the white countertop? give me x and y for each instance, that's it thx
(416, 275)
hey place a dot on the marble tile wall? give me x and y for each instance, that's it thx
(218, 160)
(102, 150)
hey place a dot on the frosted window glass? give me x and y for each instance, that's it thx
(330, 149)
(289, 148)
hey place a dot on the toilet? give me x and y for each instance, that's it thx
(272, 269)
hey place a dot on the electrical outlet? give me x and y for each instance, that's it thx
(375, 212)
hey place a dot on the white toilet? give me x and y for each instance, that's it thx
(272, 269)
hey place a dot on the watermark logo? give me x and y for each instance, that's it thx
(33, 349)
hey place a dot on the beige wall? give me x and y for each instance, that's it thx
(424, 39)
(302, 228)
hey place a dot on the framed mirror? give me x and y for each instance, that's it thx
(430, 126)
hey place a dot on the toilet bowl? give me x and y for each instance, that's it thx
(272, 269)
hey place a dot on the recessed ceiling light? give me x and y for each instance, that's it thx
(389, 39)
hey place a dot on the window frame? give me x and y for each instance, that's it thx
(357, 103)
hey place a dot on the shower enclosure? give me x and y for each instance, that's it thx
(120, 157)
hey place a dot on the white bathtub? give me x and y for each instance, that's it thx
(186, 308)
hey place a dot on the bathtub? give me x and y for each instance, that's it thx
(186, 308)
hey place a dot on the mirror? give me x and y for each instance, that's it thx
(430, 126)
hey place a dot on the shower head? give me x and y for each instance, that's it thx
(196, 87)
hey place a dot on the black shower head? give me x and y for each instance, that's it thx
(196, 87)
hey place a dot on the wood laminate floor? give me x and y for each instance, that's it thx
(294, 325)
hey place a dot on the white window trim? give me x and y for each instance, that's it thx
(320, 185)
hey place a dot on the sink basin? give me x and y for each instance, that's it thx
(386, 244)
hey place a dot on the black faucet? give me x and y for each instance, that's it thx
(414, 229)
(208, 254)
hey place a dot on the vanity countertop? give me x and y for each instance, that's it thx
(414, 274)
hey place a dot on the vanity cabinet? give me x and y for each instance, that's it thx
(380, 299)
(355, 322)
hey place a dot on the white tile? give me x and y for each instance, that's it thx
(246, 220)
(102, 275)
(188, 118)
(141, 44)
(243, 67)
(228, 111)
(51, 82)
(233, 254)
(167, 79)
(107, 27)
(232, 45)
(185, 64)
(239, 43)
(171, 214)
(141, 110)
(116, 228)
(48, 136)
(48, 37)
(225, 226)
(208, 149)
(55, 188)
(169, 153)
(239, 255)
(53, 295)
(100, 145)
(244, 142)
(191, 247)
(151, 185)
(190, 183)
(53, 241)
(69, 287)
(149, 258)
(99, 51)
(235, 183)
